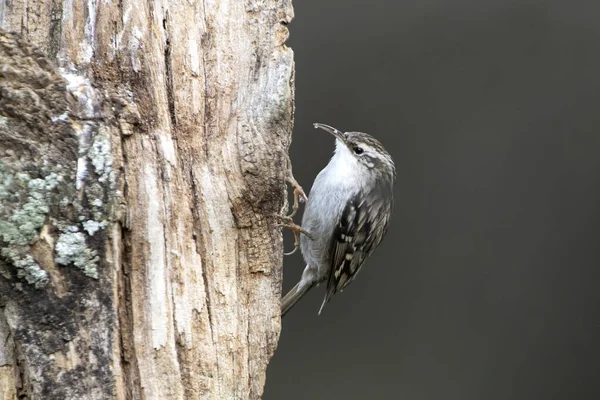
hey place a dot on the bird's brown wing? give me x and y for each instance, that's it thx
(354, 240)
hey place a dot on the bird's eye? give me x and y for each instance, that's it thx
(358, 150)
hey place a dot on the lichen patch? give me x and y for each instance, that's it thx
(71, 248)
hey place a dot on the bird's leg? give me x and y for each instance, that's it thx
(287, 222)
(299, 195)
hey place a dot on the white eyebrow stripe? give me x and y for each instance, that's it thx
(373, 153)
(368, 149)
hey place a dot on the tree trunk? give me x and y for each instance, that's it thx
(143, 157)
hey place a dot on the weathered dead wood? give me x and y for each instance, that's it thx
(143, 157)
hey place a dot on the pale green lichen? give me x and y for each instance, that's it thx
(23, 225)
(97, 202)
(100, 156)
(78, 210)
(92, 226)
(95, 194)
(71, 248)
(5, 193)
(31, 271)
(20, 228)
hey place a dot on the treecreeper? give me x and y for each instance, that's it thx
(346, 216)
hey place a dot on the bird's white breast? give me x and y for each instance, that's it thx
(331, 190)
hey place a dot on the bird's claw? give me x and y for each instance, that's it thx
(299, 195)
(287, 222)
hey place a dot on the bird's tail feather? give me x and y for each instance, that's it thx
(294, 295)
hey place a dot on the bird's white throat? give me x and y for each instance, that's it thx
(343, 168)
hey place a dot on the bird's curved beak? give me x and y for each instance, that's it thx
(338, 134)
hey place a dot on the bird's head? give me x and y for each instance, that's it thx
(367, 151)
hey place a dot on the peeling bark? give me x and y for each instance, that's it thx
(143, 156)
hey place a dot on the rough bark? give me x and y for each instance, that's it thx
(143, 156)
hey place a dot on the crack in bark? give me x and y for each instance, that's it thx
(194, 189)
(179, 349)
(205, 278)
(8, 335)
(169, 72)
(21, 366)
(205, 81)
(129, 363)
(197, 222)
(209, 308)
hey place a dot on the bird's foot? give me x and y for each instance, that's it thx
(299, 195)
(287, 222)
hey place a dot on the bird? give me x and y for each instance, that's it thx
(346, 215)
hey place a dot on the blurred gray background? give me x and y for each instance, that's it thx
(486, 284)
